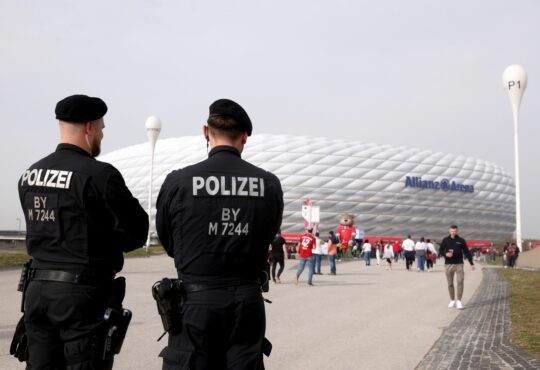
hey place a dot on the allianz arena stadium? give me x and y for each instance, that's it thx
(391, 191)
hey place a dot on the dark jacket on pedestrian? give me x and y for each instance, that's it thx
(460, 250)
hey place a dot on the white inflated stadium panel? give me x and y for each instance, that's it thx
(365, 179)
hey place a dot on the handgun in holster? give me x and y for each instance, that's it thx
(116, 320)
(24, 280)
(19, 343)
(117, 323)
(169, 297)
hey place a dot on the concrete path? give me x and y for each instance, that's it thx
(363, 318)
(479, 338)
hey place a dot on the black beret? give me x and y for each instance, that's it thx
(80, 109)
(228, 108)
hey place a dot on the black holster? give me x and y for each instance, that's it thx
(19, 343)
(117, 323)
(267, 347)
(24, 280)
(169, 296)
(265, 278)
(116, 319)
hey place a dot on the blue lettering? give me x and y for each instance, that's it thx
(444, 184)
(408, 182)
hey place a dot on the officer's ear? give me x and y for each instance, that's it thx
(205, 133)
(244, 138)
(88, 128)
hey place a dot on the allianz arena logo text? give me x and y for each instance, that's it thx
(444, 184)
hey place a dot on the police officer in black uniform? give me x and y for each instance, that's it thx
(80, 218)
(216, 219)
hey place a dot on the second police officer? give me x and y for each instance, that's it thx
(80, 218)
(216, 219)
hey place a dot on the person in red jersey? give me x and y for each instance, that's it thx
(305, 247)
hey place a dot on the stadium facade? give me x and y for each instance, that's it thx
(390, 190)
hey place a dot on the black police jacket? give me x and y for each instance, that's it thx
(79, 213)
(217, 218)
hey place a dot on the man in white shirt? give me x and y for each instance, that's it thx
(408, 249)
(366, 249)
(317, 255)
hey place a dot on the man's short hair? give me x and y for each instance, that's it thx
(223, 126)
(453, 227)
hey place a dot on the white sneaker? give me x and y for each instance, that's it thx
(459, 305)
(452, 304)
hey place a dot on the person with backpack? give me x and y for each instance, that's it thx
(431, 255)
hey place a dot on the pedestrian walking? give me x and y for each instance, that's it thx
(366, 250)
(332, 251)
(278, 252)
(512, 253)
(505, 255)
(420, 254)
(408, 250)
(388, 255)
(454, 249)
(431, 255)
(317, 255)
(305, 253)
(378, 251)
(396, 248)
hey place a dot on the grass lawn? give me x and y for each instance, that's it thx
(141, 252)
(13, 258)
(17, 257)
(524, 297)
(497, 262)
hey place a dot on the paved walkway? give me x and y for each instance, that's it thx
(363, 318)
(479, 338)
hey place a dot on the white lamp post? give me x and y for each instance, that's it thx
(153, 128)
(514, 80)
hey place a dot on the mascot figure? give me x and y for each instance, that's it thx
(346, 232)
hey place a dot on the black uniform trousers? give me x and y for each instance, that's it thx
(275, 261)
(409, 259)
(64, 323)
(221, 329)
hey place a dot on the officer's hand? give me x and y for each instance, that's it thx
(473, 267)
